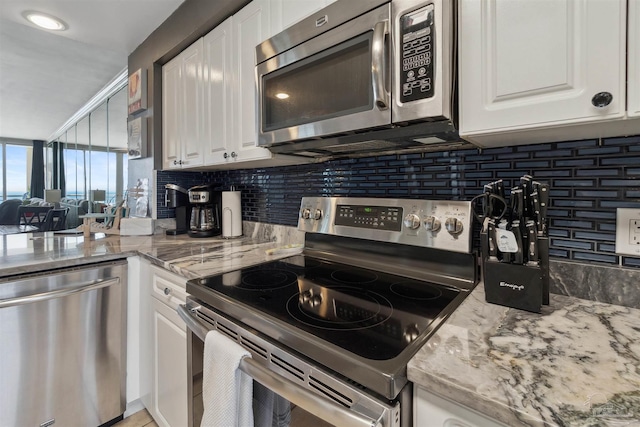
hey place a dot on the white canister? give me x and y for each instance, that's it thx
(231, 214)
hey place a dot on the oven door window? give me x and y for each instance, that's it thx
(332, 83)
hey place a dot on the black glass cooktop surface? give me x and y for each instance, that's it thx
(372, 314)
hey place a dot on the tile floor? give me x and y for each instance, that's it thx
(139, 419)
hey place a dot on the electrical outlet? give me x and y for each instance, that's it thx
(628, 232)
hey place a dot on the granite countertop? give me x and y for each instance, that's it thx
(27, 253)
(576, 364)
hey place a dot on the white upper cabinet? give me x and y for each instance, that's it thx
(219, 89)
(534, 64)
(251, 26)
(634, 59)
(182, 109)
(285, 13)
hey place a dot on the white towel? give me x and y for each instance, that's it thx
(226, 390)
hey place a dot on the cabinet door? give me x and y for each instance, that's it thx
(434, 411)
(633, 84)
(534, 63)
(285, 13)
(250, 28)
(171, 145)
(218, 88)
(191, 129)
(170, 367)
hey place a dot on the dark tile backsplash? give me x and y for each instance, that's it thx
(589, 179)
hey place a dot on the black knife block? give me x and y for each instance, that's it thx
(521, 286)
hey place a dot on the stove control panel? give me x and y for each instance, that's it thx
(439, 224)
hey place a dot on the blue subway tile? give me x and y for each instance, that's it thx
(572, 244)
(598, 172)
(619, 204)
(577, 144)
(599, 151)
(586, 256)
(596, 214)
(554, 153)
(542, 164)
(587, 235)
(620, 161)
(597, 193)
(573, 183)
(574, 162)
(572, 224)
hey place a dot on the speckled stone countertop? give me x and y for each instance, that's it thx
(28, 253)
(576, 364)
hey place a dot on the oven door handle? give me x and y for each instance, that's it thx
(329, 411)
(379, 65)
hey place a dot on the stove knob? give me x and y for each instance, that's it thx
(315, 301)
(412, 221)
(453, 226)
(431, 223)
(410, 333)
(306, 213)
(304, 297)
(318, 214)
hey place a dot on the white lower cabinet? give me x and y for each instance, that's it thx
(431, 410)
(164, 377)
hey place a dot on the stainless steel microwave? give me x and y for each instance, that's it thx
(365, 75)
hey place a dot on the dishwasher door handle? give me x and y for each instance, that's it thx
(307, 400)
(83, 287)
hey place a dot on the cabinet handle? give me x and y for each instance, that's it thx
(167, 291)
(175, 162)
(225, 155)
(233, 154)
(602, 99)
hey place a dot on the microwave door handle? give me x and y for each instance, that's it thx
(378, 66)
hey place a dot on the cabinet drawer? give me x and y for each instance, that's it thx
(168, 287)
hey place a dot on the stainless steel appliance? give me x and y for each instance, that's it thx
(357, 66)
(63, 340)
(178, 198)
(205, 211)
(331, 330)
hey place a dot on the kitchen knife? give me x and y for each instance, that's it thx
(491, 233)
(488, 189)
(535, 202)
(526, 182)
(506, 256)
(517, 204)
(515, 229)
(532, 245)
(543, 196)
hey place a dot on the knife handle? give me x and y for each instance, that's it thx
(517, 232)
(532, 245)
(491, 233)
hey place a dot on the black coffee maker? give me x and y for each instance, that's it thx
(178, 198)
(206, 204)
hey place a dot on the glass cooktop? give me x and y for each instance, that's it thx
(372, 314)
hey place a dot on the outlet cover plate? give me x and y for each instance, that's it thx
(628, 232)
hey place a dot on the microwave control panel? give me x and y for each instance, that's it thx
(417, 44)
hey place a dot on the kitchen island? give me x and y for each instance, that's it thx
(576, 364)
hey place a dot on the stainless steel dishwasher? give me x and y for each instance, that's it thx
(63, 347)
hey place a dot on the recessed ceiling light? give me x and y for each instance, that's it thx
(282, 95)
(43, 20)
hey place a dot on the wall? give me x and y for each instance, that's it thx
(589, 179)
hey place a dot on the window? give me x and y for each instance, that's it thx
(15, 169)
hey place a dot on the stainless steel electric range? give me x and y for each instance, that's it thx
(331, 330)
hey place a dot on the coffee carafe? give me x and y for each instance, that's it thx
(205, 211)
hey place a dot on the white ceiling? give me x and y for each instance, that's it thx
(46, 76)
